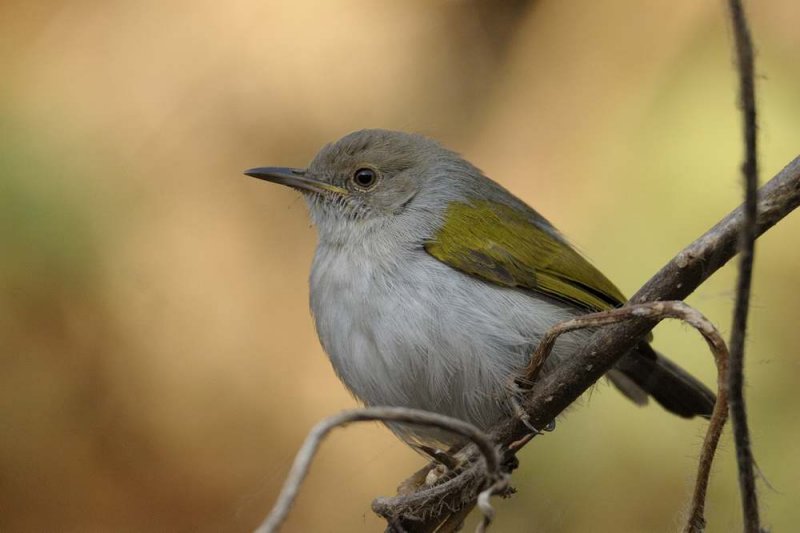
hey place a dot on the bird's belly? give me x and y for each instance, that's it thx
(426, 336)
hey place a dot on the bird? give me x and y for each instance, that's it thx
(431, 285)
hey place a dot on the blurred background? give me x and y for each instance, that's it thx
(158, 363)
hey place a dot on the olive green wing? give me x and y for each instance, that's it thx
(513, 248)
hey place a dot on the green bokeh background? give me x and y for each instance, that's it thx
(158, 363)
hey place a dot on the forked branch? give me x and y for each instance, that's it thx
(659, 311)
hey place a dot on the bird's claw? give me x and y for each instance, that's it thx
(523, 417)
(443, 458)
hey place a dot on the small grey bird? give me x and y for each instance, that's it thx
(432, 284)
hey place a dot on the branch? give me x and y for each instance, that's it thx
(660, 311)
(566, 382)
(302, 462)
(741, 433)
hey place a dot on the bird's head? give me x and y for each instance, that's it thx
(372, 179)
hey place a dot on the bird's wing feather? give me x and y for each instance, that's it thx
(513, 248)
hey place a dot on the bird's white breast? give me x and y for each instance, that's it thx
(403, 329)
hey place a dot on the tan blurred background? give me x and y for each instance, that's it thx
(158, 363)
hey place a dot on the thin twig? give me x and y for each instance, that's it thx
(559, 388)
(696, 521)
(741, 433)
(302, 461)
(659, 311)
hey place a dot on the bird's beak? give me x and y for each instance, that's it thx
(295, 178)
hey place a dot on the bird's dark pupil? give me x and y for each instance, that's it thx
(365, 177)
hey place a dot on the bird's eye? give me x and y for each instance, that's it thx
(365, 178)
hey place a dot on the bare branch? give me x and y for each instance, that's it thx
(741, 433)
(659, 311)
(318, 433)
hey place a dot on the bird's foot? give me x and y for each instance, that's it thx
(436, 474)
(448, 464)
(443, 458)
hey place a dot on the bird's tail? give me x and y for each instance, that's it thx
(645, 372)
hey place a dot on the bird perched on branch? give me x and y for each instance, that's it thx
(431, 285)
